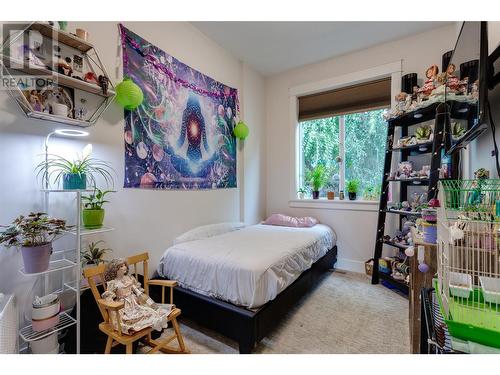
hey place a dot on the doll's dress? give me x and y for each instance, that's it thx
(135, 315)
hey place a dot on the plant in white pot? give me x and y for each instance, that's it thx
(77, 173)
(34, 235)
(93, 213)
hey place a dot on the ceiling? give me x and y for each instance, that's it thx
(273, 47)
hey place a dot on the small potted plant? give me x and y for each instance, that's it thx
(423, 133)
(317, 178)
(301, 193)
(93, 256)
(75, 174)
(330, 191)
(352, 189)
(34, 234)
(93, 213)
(457, 131)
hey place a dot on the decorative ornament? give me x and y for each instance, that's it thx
(241, 130)
(410, 251)
(434, 203)
(128, 94)
(424, 268)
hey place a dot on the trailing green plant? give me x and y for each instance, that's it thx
(423, 132)
(36, 229)
(56, 166)
(352, 186)
(95, 201)
(317, 177)
(302, 190)
(93, 254)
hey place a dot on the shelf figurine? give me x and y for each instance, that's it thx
(430, 83)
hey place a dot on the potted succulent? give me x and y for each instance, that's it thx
(317, 178)
(34, 234)
(423, 133)
(74, 174)
(301, 193)
(352, 188)
(93, 256)
(457, 130)
(93, 213)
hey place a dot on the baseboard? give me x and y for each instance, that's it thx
(350, 265)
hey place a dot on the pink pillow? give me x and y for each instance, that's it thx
(291, 221)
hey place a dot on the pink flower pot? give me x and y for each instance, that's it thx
(36, 259)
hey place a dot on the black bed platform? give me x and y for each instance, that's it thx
(245, 326)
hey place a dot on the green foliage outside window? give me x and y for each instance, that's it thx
(364, 144)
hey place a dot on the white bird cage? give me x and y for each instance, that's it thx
(468, 281)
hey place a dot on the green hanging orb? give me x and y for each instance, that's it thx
(241, 130)
(128, 94)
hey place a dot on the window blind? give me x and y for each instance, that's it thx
(357, 98)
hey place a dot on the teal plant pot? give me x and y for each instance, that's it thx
(92, 219)
(74, 181)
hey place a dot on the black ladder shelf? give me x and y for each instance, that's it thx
(441, 113)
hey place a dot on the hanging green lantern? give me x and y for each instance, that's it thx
(128, 94)
(241, 130)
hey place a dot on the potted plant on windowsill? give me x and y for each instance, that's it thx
(34, 235)
(75, 174)
(317, 178)
(93, 213)
(301, 193)
(352, 189)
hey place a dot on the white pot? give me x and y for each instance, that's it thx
(45, 307)
(46, 345)
(301, 195)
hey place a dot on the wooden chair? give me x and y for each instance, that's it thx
(116, 337)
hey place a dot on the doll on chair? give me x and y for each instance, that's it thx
(139, 311)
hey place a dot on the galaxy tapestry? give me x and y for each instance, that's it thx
(181, 136)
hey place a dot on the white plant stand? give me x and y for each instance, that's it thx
(26, 333)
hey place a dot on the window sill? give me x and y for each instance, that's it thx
(335, 204)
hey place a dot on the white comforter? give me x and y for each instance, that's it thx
(247, 267)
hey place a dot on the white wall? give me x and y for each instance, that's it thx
(144, 219)
(355, 229)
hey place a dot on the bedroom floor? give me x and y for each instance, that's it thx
(343, 314)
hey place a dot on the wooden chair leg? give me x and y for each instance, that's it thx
(129, 348)
(109, 344)
(178, 334)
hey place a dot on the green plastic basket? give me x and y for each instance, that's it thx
(471, 195)
(479, 321)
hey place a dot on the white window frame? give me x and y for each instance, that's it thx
(391, 70)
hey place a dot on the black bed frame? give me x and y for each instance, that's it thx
(245, 326)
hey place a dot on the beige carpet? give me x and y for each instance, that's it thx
(343, 314)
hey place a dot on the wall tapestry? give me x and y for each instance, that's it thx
(181, 136)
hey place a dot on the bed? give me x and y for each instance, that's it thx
(240, 282)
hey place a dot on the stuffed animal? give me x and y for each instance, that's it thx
(52, 95)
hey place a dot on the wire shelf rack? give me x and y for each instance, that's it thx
(28, 334)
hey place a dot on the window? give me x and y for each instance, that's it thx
(349, 146)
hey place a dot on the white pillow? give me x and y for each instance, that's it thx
(207, 231)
